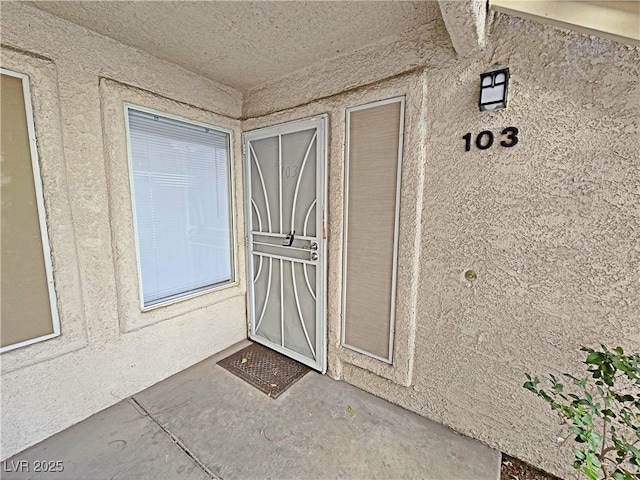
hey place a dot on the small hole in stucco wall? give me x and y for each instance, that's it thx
(470, 276)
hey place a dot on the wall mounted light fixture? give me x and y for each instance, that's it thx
(494, 88)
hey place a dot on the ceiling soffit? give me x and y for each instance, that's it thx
(246, 44)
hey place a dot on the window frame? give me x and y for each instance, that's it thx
(42, 214)
(231, 197)
(401, 99)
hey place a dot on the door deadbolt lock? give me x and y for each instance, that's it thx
(313, 246)
(314, 256)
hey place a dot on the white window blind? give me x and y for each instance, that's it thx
(182, 206)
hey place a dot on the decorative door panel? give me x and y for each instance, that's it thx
(285, 196)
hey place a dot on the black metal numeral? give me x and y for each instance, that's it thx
(484, 140)
(512, 136)
(481, 135)
(467, 142)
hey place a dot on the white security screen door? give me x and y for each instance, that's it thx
(285, 196)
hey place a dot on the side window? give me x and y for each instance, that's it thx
(28, 313)
(181, 187)
(372, 177)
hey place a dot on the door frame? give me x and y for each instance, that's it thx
(320, 123)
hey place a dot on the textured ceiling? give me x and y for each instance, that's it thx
(244, 44)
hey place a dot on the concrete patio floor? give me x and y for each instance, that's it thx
(206, 423)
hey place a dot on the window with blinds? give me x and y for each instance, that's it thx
(181, 182)
(372, 201)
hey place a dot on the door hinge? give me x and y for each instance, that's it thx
(244, 149)
(246, 241)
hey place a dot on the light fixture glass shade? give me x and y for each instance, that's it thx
(494, 85)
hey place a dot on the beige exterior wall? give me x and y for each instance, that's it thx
(551, 225)
(108, 349)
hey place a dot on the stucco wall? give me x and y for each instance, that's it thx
(108, 348)
(550, 226)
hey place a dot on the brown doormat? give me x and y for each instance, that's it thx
(265, 369)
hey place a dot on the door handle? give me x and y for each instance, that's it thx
(314, 256)
(313, 246)
(288, 240)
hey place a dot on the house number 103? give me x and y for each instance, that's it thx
(484, 140)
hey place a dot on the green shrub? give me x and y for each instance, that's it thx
(602, 411)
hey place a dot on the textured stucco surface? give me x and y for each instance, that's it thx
(428, 44)
(102, 354)
(249, 43)
(466, 23)
(551, 227)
